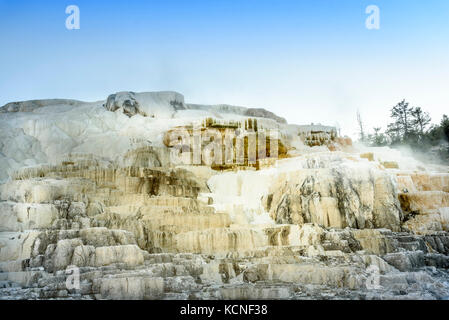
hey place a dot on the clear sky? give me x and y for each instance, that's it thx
(308, 61)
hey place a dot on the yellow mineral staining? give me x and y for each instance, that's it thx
(318, 135)
(368, 155)
(424, 200)
(390, 165)
(240, 145)
(303, 211)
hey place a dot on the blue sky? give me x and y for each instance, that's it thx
(308, 61)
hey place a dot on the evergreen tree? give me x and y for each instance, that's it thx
(445, 126)
(402, 127)
(378, 138)
(410, 126)
(420, 120)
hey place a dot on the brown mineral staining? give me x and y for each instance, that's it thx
(211, 128)
(315, 214)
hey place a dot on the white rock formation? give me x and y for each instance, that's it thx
(91, 186)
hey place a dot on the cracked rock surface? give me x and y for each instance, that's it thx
(92, 207)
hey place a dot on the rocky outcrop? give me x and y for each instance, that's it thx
(32, 105)
(92, 207)
(243, 111)
(424, 201)
(262, 113)
(338, 196)
(147, 104)
(317, 135)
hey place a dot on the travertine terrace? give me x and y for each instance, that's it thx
(91, 188)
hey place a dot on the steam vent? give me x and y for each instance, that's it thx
(144, 196)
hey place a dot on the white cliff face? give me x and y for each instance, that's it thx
(334, 192)
(44, 131)
(92, 185)
(240, 193)
(341, 194)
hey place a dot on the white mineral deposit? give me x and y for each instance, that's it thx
(93, 207)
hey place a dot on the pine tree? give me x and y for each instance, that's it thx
(445, 126)
(420, 120)
(402, 127)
